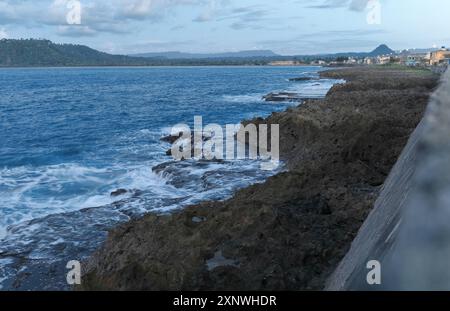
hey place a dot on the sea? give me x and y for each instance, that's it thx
(69, 137)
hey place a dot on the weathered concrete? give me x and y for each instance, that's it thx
(408, 231)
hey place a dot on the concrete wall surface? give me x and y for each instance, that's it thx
(408, 231)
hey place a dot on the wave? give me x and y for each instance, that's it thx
(250, 98)
(33, 192)
(314, 89)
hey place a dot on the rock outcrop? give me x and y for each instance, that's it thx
(283, 97)
(291, 231)
(303, 79)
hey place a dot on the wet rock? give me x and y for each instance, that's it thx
(171, 139)
(303, 79)
(282, 97)
(119, 192)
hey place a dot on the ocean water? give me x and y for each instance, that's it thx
(71, 136)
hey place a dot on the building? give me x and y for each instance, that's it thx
(383, 60)
(351, 61)
(319, 62)
(414, 59)
(285, 63)
(440, 57)
(369, 61)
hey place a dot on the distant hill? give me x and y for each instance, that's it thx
(32, 52)
(180, 55)
(40, 52)
(381, 50)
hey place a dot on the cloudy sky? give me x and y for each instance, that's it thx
(284, 26)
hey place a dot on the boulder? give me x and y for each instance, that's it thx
(118, 192)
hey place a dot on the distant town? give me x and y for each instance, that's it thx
(413, 58)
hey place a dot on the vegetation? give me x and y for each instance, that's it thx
(37, 52)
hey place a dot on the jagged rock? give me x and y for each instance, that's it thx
(282, 97)
(118, 192)
(171, 138)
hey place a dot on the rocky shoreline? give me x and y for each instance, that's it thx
(290, 232)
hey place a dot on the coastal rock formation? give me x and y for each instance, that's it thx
(302, 79)
(282, 97)
(291, 231)
(171, 139)
(119, 192)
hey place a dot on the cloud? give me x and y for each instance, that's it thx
(156, 46)
(113, 16)
(139, 9)
(177, 27)
(208, 13)
(249, 17)
(329, 4)
(354, 5)
(76, 31)
(359, 5)
(329, 41)
(119, 16)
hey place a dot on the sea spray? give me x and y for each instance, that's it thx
(208, 142)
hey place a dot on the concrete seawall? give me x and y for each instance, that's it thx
(408, 231)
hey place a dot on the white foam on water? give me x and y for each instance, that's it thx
(315, 88)
(32, 192)
(249, 98)
(168, 130)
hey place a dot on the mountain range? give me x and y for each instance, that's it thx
(41, 52)
(181, 55)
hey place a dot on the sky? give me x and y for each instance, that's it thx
(287, 27)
